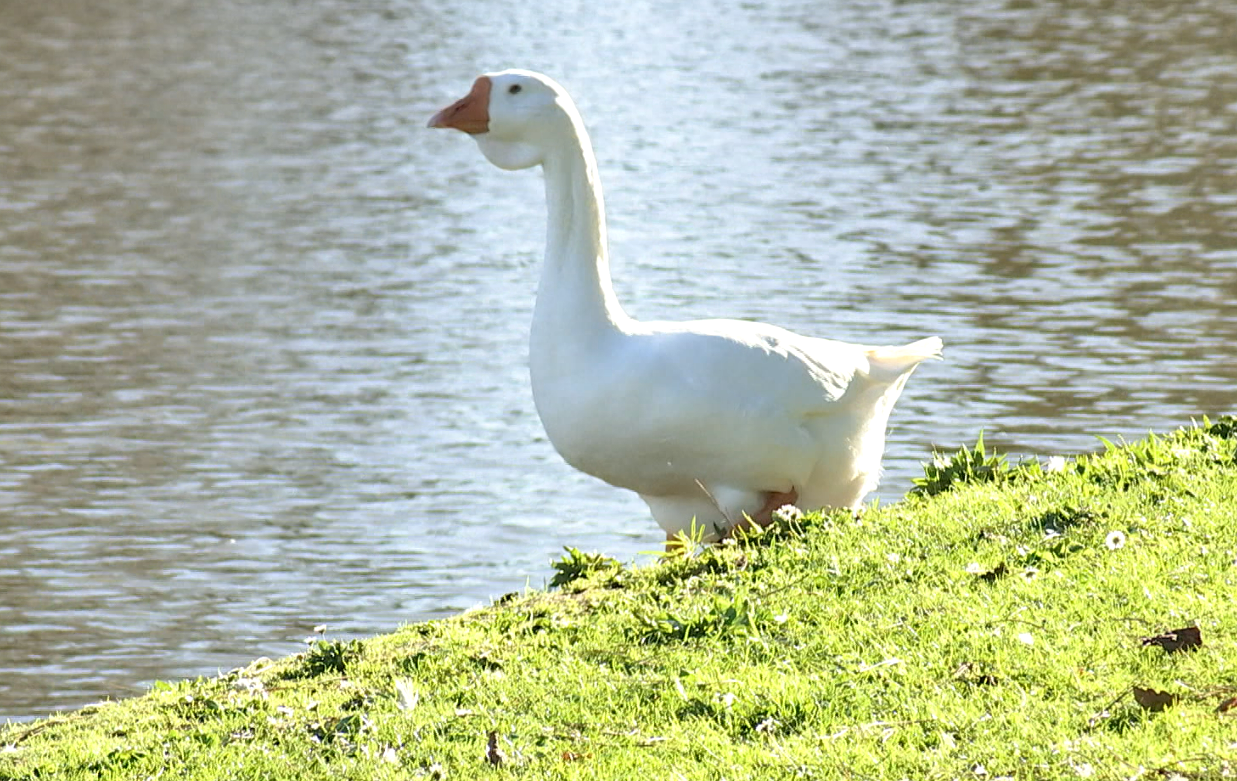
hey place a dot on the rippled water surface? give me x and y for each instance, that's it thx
(263, 336)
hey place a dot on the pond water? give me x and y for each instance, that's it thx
(263, 337)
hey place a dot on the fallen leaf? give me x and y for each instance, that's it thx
(1152, 700)
(999, 571)
(492, 754)
(1227, 705)
(1186, 639)
(571, 756)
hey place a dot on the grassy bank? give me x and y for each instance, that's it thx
(1002, 622)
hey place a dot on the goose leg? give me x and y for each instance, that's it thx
(672, 542)
(764, 516)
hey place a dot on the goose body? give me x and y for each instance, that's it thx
(709, 421)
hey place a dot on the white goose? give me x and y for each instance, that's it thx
(709, 421)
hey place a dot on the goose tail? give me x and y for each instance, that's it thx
(893, 362)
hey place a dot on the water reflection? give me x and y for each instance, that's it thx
(1105, 128)
(262, 339)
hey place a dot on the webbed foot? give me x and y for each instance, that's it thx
(764, 516)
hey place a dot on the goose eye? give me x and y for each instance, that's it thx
(514, 89)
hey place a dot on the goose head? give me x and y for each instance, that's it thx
(513, 115)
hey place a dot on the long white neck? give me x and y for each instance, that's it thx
(576, 311)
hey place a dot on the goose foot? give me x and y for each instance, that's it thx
(764, 516)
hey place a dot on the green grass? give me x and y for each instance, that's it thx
(989, 626)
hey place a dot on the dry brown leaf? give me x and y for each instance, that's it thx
(492, 753)
(999, 571)
(1185, 639)
(1153, 700)
(1227, 705)
(571, 756)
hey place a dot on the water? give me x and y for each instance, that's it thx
(263, 336)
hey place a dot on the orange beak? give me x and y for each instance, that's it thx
(470, 113)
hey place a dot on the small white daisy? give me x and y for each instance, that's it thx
(769, 725)
(787, 513)
(1055, 464)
